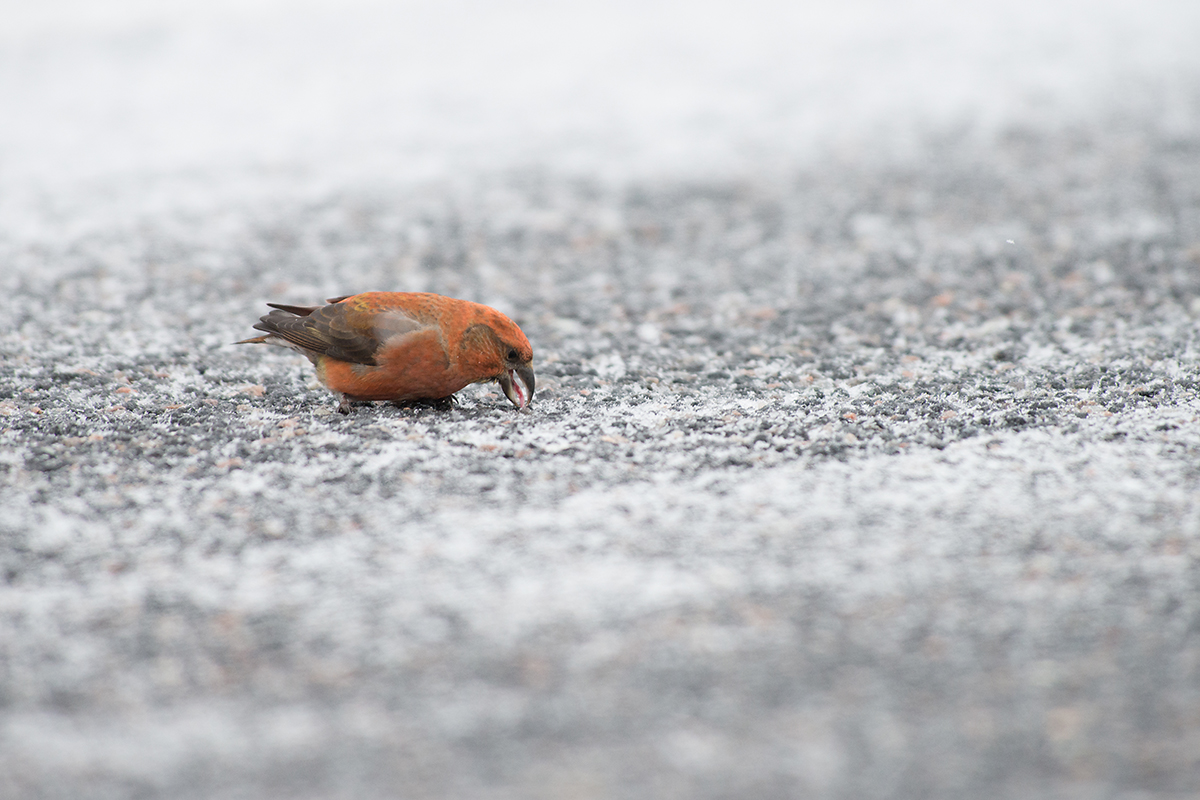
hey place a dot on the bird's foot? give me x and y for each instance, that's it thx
(344, 405)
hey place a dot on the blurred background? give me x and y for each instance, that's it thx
(122, 99)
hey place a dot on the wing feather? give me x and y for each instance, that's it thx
(341, 330)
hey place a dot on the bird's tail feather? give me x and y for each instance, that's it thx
(299, 311)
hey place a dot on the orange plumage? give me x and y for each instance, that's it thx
(404, 346)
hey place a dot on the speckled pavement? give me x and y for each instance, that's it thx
(872, 475)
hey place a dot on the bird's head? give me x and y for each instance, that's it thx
(508, 357)
(517, 378)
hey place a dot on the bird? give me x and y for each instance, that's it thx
(403, 346)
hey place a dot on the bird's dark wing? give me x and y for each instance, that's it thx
(347, 331)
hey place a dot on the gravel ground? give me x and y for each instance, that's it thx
(870, 470)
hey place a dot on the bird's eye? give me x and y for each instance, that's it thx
(512, 355)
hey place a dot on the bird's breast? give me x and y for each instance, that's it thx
(411, 367)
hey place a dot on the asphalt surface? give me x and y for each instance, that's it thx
(867, 473)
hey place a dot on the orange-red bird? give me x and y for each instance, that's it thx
(404, 346)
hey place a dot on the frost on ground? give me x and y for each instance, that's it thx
(828, 488)
(860, 465)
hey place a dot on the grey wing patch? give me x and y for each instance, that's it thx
(337, 332)
(391, 324)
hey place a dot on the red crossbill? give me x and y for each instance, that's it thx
(404, 346)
